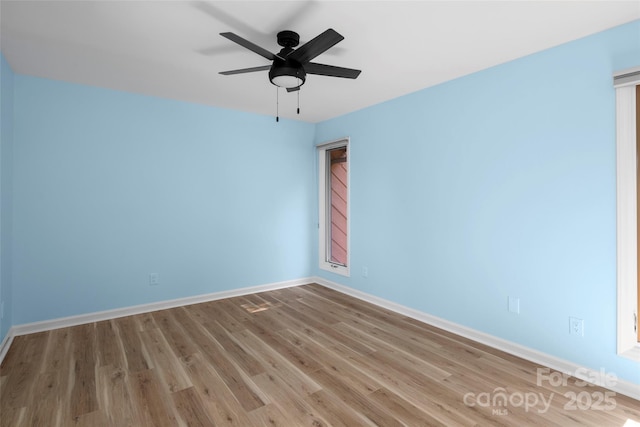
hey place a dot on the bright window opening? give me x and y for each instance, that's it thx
(333, 160)
(625, 83)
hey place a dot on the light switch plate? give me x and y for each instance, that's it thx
(514, 305)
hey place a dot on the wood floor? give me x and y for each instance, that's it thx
(304, 356)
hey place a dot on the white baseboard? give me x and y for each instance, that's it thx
(63, 322)
(589, 375)
(6, 343)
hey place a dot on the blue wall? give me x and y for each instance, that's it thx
(6, 193)
(110, 187)
(498, 184)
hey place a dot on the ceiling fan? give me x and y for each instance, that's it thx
(290, 66)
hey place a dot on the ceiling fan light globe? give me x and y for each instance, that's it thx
(287, 81)
(287, 75)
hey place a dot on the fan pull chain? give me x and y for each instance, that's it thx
(298, 100)
(277, 105)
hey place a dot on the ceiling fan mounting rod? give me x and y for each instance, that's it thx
(288, 39)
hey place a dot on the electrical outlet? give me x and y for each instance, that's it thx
(365, 271)
(576, 326)
(154, 280)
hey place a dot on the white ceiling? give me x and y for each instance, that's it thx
(173, 49)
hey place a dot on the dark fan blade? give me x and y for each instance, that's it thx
(251, 46)
(293, 89)
(315, 47)
(246, 70)
(330, 70)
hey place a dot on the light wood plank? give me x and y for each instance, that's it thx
(191, 409)
(153, 405)
(290, 401)
(115, 397)
(131, 344)
(165, 361)
(174, 334)
(83, 398)
(226, 369)
(218, 400)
